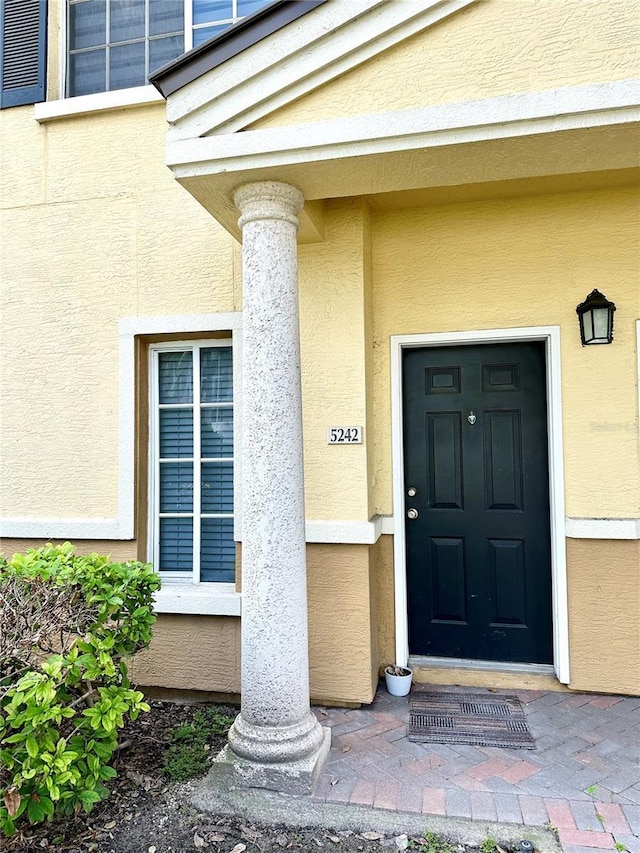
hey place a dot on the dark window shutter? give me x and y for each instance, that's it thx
(23, 49)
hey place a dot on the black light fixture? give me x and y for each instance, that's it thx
(596, 319)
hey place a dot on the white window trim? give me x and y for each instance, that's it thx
(153, 546)
(560, 606)
(119, 99)
(210, 599)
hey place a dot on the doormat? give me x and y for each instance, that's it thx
(471, 718)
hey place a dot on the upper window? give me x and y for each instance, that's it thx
(116, 44)
(191, 461)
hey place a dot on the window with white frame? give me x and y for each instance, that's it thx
(116, 44)
(191, 461)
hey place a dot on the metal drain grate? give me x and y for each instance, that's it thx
(485, 709)
(468, 718)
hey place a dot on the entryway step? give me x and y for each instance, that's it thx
(470, 673)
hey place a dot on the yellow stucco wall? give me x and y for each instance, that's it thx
(385, 613)
(604, 629)
(88, 239)
(203, 652)
(335, 340)
(94, 228)
(525, 262)
(491, 48)
(343, 664)
(191, 653)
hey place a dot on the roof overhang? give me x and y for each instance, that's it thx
(580, 129)
(212, 149)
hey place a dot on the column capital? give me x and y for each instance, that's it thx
(268, 200)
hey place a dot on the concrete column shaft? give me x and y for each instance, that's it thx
(275, 723)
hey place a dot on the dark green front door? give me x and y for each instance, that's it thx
(476, 481)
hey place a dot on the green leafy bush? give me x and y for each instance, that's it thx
(67, 626)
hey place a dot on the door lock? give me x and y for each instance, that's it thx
(412, 513)
(412, 492)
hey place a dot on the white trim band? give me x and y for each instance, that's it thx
(101, 102)
(603, 528)
(504, 117)
(317, 531)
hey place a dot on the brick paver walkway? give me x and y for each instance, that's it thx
(583, 777)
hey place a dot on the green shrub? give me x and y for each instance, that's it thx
(67, 626)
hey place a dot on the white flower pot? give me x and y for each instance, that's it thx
(398, 685)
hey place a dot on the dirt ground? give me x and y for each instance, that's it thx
(148, 814)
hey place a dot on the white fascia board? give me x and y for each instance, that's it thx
(507, 116)
(308, 53)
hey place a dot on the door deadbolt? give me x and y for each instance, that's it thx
(412, 492)
(412, 513)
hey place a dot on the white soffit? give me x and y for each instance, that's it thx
(306, 54)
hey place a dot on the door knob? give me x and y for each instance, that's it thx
(412, 513)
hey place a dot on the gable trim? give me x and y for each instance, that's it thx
(276, 71)
(266, 21)
(534, 113)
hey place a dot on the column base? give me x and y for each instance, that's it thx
(288, 777)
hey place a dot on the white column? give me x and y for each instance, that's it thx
(278, 741)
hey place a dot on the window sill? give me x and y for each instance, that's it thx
(210, 599)
(121, 99)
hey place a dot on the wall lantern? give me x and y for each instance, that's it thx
(596, 319)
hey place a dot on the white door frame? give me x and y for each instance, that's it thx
(551, 337)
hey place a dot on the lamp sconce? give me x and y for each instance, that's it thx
(596, 319)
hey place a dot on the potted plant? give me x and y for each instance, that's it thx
(398, 679)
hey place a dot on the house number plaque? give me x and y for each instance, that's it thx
(344, 435)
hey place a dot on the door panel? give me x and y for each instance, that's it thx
(449, 580)
(503, 460)
(444, 442)
(478, 553)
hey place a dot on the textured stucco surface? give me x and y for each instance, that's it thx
(525, 262)
(116, 549)
(385, 613)
(191, 653)
(604, 629)
(203, 652)
(507, 46)
(87, 239)
(335, 340)
(341, 663)
(93, 228)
